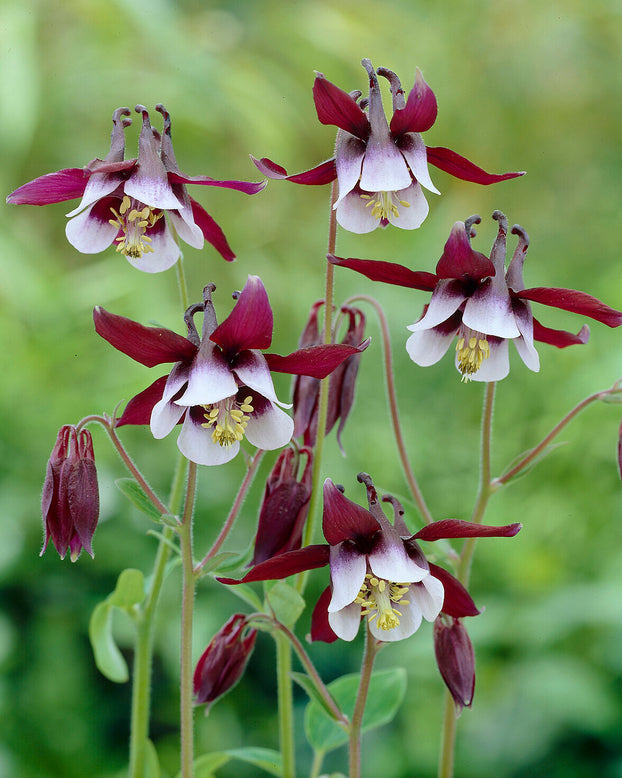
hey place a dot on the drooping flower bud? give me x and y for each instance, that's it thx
(223, 662)
(341, 382)
(70, 498)
(455, 660)
(285, 506)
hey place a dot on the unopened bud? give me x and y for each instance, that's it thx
(455, 660)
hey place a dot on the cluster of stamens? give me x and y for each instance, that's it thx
(472, 349)
(384, 204)
(228, 419)
(134, 221)
(377, 596)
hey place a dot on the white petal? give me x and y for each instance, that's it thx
(429, 596)
(210, 378)
(195, 442)
(271, 429)
(490, 312)
(164, 255)
(410, 620)
(384, 168)
(88, 234)
(354, 215)
(347, 573)
(427, 347)
(413, 215)
(414, 151)
(496, 366)
(166, 414)
(447, 297)
(253, 371)
(390, 561)
(345, 622)
(156, 192)
(524, 345)
(99, 185)
(348, 160)
(185, 226)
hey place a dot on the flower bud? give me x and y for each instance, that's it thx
(223, 662)
(455, 660)
(285, 506)
(70, 498)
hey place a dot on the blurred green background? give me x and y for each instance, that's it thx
(521, 85)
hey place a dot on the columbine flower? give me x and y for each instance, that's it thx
(455, 659)
(220, 386)
(381, 167)
(70, 498)
(341, 383)
(377, 569)
(285, 505)
(223, 662)
(125, 201)
(483, 304)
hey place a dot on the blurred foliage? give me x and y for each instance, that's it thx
(520, 85)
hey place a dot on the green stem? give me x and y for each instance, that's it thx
(286, 708)
(316, 767)
(448, 736)
(395, 414)
(371, 649)
(187, 607)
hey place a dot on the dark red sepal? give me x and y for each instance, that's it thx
(320, 628)
(138, 410)
(455, 528)
(460, 167)
(344, 519)
(388, 272)
(458, 601)
(334, 106)
(284, 565)
(249, 325)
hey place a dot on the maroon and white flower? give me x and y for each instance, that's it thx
(486, 306)
(377, 569)
(220, 386)
(140, 204)
(381, 167)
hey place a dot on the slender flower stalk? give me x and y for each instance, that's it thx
(369, 655)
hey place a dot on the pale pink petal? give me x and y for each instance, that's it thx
(271, 429)
(252, 370)
(348, 160)
(185, 226)
(347, 573)
(429, 596)
(196, 444)
(89, 234)
(413, 215)
(345, 622)
(166, 414)
(354, 215)
(413, 148)
(390, 561)
(165, 250)
(427, 347)
(99, 185)
(524, 344)
(446, 299)
(384, 168)
(210, 378)
(490, 313)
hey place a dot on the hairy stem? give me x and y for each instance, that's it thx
(371, 649)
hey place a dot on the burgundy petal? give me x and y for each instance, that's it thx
(458, 166)
(138, 410)
(248, 187)
(388, 272)
(559, 338)
(284, 565)
(211, 231)
(148, 345)
(320, 628)
(344, 519)
(576, 302)
(455, 528)
(314, 361)
(458, 601)
(420, 111)
(56, 187)
(334, 106)
(325, 173)
(249, 325)
(459, 260)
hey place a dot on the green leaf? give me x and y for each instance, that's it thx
(307, 684)
(134, 493)
(264, 758)
(152, 764)
(286, 603)
(107, 656)
(129, 591)
(204, 765)
(386, 692)
(223, 562)
(246, 593)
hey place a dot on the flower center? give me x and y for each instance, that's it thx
(228, 419)
(134, 219)
(384, 204)
(377, 597)
(472, 349)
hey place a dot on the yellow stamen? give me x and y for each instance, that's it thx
(376, 599)
(134, 219)
(228, 419)
(472, 349)
(384, 204)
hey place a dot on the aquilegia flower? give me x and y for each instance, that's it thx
(455, 659)
(377, 569)
(483, 304)
(381, 167)
(139, 204)
(220, 386)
